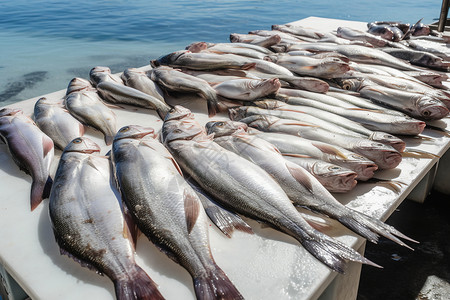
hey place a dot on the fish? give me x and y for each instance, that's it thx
(139, 80)
(299, 31)
(112, 89)
(384, 156)
(55, 120)
(419, 58)
(174, 80)
(434, 79)
(300, 186)
(241, 49)
(383, 31)
(85, 105)
(166, 209)
(248, 190)
(353, 34)
(247, 89)
(254, 39)
(435, 48)
(88, 222)
(357, 53)
(31, 149)
(328, 67)
(375, 123)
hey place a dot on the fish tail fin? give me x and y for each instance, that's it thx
(109, 139)
(40, 191)
(163, 111)
(227, 221)
(215, 284)
(333, 253)
(137, 286)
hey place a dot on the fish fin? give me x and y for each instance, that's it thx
(137, 286)
(308, 67)
(82, 129)
(394, 185)
(248, 66)
(37, 192)
(300, 175)
(130, 229)
(329, 149)
(83, 263)
(373, 89)
(297, 155)
(298, 123)
(109, 139)
(47, 188)
(47, 145)
(419, 154)
(175, 164)
(215, 284)
(191, 209)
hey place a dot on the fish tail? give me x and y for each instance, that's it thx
(163, 111)
(109, 139)
(227, 221)
(39, 191)
(137, 286)
(215, 284)
(332, 253)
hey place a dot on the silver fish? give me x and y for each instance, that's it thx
(248, 189)
(299, 31)
(241, 49)
(383, 155)
(83, 102)
(112, 89)
(247, 89)
(300, 186)
(53, 119)
(254, 39)
(420, 58)
(384, 31)
(174, 80)
(139, 80)
(88, 222)
(353, 34)
(166, 209)
(31, 149)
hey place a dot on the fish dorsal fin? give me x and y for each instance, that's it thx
(297, 155)
(300, 175)
(329, 149)
(191, 209)
(47, 145)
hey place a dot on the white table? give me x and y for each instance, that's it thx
(266, 265)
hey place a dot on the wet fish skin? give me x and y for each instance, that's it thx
(383, 31)
(112, 89)
(174, 80)
(88, 108)
(88, 222)
(420, 58)
(353, 34)
(55, 121)
(139, 80)
(253, 192)
(247, 89)
(31, 149)
(166, 209)
(254, 39)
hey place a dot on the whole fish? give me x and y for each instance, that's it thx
(31, 149)
(285, 37)
(420, 58)
(384, 31)
(55, 121)
(252, 51)
(404, 27)
(174, 80)
(376, 123)
(247, 89)
(435, 48)
(139, 80)
(231, 135)
(300, 186)
(112, 89)
(340, 117)
(248, 189)
(83, 102)
(353, 34)
(88, 221)
(299, 31)
(254, 39)
(357, 53)
(328, 67)
(434, 79)
(166, 209)
(384, 156)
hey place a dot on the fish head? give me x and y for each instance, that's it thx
(197, 47)
(169, 59)
(182, 130)
(237, 113)
(420, 29)
(261, 122)
(79, 84)
(269, 103)
(430, 108)
(268, 86)
(99, 73)
(350, 84)
(333, 177)
(134, 132)
(178, 112)
(385, 156)
(364, 167)
(82, 145)
(221, 128)
(10, 111)
(389, 139)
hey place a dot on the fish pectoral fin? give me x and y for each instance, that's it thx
(192, 208)
(297, 155)
(301, 175)
(329, 149)
(130, 229)
(373, 89)
(47, 144)
(175, 164)
(308, 67)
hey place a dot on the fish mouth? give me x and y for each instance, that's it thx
(344, 182)
(365, 171)
(392, 159)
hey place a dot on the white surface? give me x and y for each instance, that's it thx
(266, 265)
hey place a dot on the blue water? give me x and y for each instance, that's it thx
(45, 43)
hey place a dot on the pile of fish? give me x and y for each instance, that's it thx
(310, 114)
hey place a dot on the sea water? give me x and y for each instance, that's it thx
(45, 43)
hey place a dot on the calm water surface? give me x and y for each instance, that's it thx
(44, 44)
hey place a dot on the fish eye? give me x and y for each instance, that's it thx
(347, 86)
(77, 141)
(177, 131)
(172, 110)
(220, 124)
(334, 168)
(426, 113)
(124, 129)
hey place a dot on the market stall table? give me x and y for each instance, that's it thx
(266, 265)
